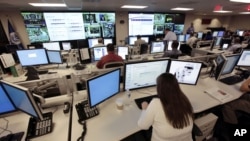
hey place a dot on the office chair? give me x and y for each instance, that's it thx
(174, 56)
(144, 49)
(113, 64)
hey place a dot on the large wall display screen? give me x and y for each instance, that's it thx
(152, 23)
(61, 26)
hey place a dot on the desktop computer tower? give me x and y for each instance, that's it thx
(206, 125)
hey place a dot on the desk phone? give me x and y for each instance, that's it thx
(84, 111)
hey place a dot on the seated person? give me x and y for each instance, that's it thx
(208, 36)
(171, 120)
(192, 40)
(139, 41)
(110, 57)
(100, 43)
(174, 51)
(241, 104)
(236, 45)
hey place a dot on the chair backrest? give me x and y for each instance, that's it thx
(113, 64)
(144, 49)
(174, 56)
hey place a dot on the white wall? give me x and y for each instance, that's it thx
(229, 22)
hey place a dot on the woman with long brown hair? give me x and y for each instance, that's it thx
(170, 115)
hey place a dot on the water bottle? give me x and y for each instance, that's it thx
(128, 97)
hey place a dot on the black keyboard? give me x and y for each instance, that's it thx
(232, 79)
(85, 112)
(13, 137)
(40, 127)
(138, 101)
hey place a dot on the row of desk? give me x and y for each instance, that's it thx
(111, 124)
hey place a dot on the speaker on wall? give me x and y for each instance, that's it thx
(122, 21)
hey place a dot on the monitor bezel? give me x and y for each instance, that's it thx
(61, 59)
(139, 62)
(94, 58)
(33, 64)
(98, 76)
(245, 50)
(198, 76)
(28, 95)
(151, 47)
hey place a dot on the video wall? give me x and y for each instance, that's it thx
(155, 23)
(61, 26)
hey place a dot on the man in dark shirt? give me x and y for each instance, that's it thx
(110, 57)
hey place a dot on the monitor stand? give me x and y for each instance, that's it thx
(32, 74)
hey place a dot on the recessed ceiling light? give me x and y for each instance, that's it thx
(48, 4)
(134, 6)
(243, 1)
(182, 9)
(244, 13)
(222, 11)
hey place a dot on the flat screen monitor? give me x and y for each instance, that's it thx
(200, 34)
(215, 33)
(244, 59)
(6, 106)
(170, 45)
(22, 99)
(132, 39)
(122, 51)
(220, 34)
(225, 41)
(32, 57)
(99, 52)
(108, 41)
(99, 90)
(143, 74)
(186, 72)
(54, 57)
(220, 62)
(157, 47)
(181, 38)
(218, 40)
(231, 63)
(92, 42)
(240, 32)
(52, 46)
(66, 45)
(187, 36)
(225, 46)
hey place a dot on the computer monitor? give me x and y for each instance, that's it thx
(52, 46)
(54, 56)
(218, 40)
(122, 51)
(143, 74)
(220, 34)
(244, 59)
(225, 41)
(215, 33)
(99, 90)
(200, 34)
(132, 39)
(187, 36)
(186, 72)
(170, 45)
(92, 42)
(6, 106)
(220, 62)
(66, 45)
(240, 32)
(157, 47)
(108, 41)
(22, 99)
(225, 46)
(230, 64)
(181, 38)
(32, 57)
(99, 52)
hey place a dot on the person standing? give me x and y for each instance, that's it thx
(190, 30)
(169, 35)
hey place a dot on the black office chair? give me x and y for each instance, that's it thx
(113, 64)
(174, 56)
(144, 49)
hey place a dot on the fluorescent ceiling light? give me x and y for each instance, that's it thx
(244, 13)
(134, 6)
(243, 1)
(48, 4)
(223, 11)
(182, 9)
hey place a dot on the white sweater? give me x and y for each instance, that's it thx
(162, 129)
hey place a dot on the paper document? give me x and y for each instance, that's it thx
(219, 94)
